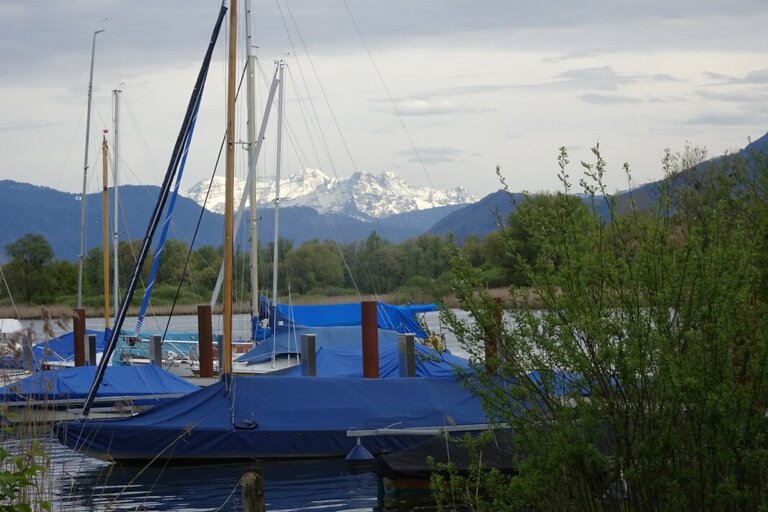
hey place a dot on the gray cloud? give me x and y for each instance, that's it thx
(609, 99)
(423, 106)
(24, 125)
(605, 78)
(723, 119)
(433, 155)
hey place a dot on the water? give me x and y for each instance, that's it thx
(81, 483)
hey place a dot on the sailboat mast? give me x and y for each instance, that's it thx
(115, 186)
(251, 91)
(81, 256)
(226, 352)
(105, 225)
(280, 101)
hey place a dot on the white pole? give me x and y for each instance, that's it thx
(251, 92)
(280, 102)
(115, 186)
(81, 256)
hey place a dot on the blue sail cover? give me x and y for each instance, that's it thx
(339, 353)
(248, 417)
(397, 318)
(62, 348)
(74, 383)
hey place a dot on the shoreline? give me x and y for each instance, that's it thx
(526, 298)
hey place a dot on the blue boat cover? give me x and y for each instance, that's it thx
(74, 383)
(345, 361)
(62, 348)
(398, 318)
(244, 417)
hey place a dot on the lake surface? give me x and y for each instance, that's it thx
(81, 483)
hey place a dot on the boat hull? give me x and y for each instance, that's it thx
(247, 417)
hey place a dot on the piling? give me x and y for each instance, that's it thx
(252, 483)
(308, 355)
(205, 340)
(370, 330)
(156, 350)
(90, 350)
(492, 338)
(78, 326)
(406, 355)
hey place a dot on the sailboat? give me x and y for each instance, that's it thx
(242, 417)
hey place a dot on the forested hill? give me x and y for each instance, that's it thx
(56, 216)
(480, 218)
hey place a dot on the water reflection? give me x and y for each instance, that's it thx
(322, 485)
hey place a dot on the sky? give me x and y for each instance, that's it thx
(438, 91)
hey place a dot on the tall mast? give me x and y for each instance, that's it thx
(115, 182)
(226, 352)
(251, 91)
(105, 225)
(81, 256)
(280, 101)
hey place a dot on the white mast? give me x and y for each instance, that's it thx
(252, 157)
(81, 256)
(280, 101)
(115, 175)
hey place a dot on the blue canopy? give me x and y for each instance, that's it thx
(340, 360)
(74, 383)
(397, 318)
(247, 417)
(62, 348)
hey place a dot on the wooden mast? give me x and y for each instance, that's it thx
(226, 353)
(105, 226)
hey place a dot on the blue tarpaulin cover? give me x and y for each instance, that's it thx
(62, 348)
(73, 383)
(245, 417)
(397, 318)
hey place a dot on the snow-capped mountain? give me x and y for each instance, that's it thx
(362, 195)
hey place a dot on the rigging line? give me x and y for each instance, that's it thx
(75, 134)
(10, 296)
(389, 96)
(300, 102)
(128, 109)
(319, 82)
(200, 217)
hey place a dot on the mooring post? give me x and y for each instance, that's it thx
(492, 337)
(252, 483)
(78, 326)
(205, 340)
(370, 330)
(90, 350)
(406, 355)
(308, 355)
(156, 350)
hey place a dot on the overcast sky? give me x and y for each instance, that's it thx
(475, 83)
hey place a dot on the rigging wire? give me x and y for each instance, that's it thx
(389, 96)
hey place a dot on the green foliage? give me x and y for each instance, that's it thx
(26, 270)
(20, 480)
(659, 332)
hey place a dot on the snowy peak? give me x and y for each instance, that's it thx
(363, 195)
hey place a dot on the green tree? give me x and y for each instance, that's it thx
(315, 265)
(29, 256)
(642, 383)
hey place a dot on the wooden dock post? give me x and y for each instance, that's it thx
(205, 340)
(492, 338)
(90, 350)
(156, 350)
(308, 355)
(406, 355)
(370, 331)
(252, 483)
(78, 326)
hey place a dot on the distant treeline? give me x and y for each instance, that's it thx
(418, 267)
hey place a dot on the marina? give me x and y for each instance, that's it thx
(78, 482)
